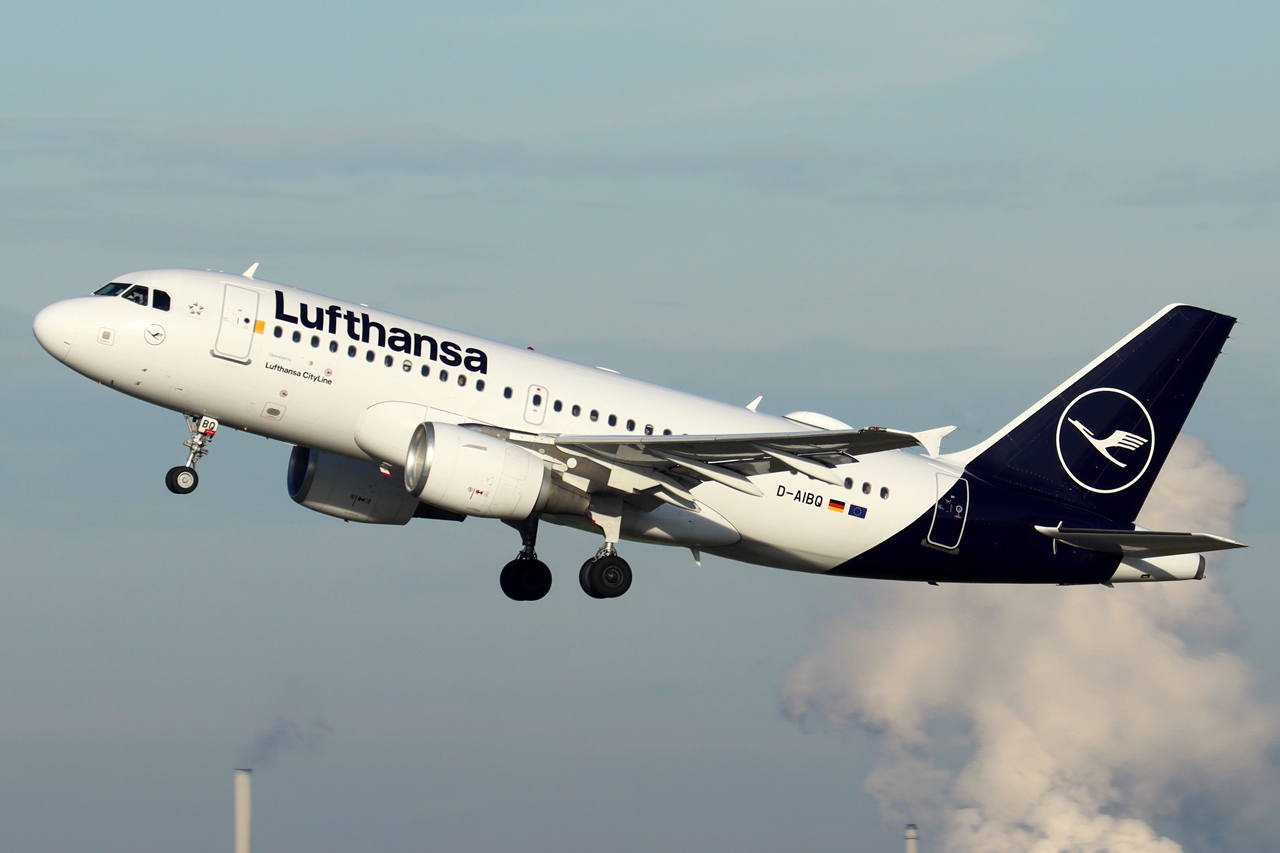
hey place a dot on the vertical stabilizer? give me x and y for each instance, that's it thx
(1098, 440)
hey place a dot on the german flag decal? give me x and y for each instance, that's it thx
(836, 506)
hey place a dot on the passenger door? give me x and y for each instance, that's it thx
(238, 323)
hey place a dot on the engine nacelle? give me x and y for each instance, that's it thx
(470, 472)
(347, 489)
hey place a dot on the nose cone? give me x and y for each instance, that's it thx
(55, 327)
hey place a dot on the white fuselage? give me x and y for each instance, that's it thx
(218, 353)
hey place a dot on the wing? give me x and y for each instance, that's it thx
(666, 467)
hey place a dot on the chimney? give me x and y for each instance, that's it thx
(911, 838)
(244, 811)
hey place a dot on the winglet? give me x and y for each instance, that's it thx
(250, 271)
(931, 439)
(752, 405)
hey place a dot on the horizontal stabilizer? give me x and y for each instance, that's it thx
(1138, 543)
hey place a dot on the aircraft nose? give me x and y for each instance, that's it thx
(55, 327)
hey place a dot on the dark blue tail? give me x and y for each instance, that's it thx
(1098, 441)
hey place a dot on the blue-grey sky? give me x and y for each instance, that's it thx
(907, 214)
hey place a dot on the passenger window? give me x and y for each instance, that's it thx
(351, 352)
(648, 429)
(595, 416)
(408, 365)
(333, 346)
(884, 493)
(388, 360)
(444, 376)
(115, 288)
(557, 405)
(426, 371)
(368, 356)
(315, 341)
(479, 384)
(576, 410)
(462, 379)
(666, 432)
(297, 336)
(506, 392)
(631, 426)
(613, 420)
(160, 300)
(848, 482)
(279, 332)
(537, 399)
(137, 294)
(866, 488)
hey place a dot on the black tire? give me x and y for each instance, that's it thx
(182, 480)
(609, 577)
(582, 578)
(525, 580)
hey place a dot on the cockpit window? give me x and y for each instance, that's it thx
(137, 294)
(160, 299)
(115, 288)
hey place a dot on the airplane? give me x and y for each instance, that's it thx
(393, 419)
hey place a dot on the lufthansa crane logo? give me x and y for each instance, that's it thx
(1105, 440)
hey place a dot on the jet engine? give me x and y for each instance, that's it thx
(347, 489)
(462, 470)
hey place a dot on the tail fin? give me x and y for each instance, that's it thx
(1098, 440)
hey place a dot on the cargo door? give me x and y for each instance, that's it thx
(238, 323)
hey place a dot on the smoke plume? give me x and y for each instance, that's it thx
(283, 737)
(1073, 719)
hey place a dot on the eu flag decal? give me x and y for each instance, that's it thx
(836, 506)
(857, 511)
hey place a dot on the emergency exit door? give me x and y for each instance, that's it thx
(238, 323)
(535, 407)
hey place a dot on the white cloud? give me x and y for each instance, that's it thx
(1089, 716)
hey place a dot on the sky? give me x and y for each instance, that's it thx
(909, 214)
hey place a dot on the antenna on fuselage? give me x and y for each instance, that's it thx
(250, 271)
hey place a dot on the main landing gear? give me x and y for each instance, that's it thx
(606, 575)
(526, 578)
(182, 480)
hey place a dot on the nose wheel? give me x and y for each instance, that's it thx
(182, 480)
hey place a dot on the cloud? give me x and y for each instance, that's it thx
(1195, 185)
(106, 150)
(1082, 718)
(282, 738)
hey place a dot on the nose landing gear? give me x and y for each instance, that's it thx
(526, 578)
(182, 479)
